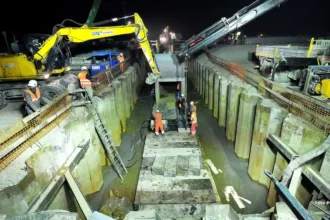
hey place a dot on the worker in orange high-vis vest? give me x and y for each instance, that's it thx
(84, 82)
(193, 118)
(121, 61)
(158, 122)
(35, 97)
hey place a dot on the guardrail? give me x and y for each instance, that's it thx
(21, 135)
(105, 78)
(314, 111)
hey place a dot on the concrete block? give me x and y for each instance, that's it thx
(211, 87)
(158, 167)
(120, 106)
(300, 135)
(170, 166)
(125, 100)
(234, 91)
(206, 89)
(201, 73)
(182, 166)
(268, 120)
(279, 166)
(194, 166)
(216, 93)
(223, 102)
(247, 110)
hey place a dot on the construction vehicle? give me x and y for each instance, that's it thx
(291, 60)
(14, 66)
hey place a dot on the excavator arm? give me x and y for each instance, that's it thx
(85, 33)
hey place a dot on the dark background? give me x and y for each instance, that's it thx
(295, 17)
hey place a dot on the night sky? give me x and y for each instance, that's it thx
(295, 17)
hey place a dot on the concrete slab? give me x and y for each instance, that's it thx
(158, 166)
(184, 180)
(170, 166)
(169, 66)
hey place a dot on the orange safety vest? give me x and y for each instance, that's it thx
(35, 98)
(193, 118)
(158, 118)
(84, 82)
(120, 59)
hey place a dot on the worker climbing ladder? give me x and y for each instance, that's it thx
(107, 142)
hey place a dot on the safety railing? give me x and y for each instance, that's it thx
(312, 110)
(19, 136)
(105, 78)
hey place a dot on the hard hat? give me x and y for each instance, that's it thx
(191, 103)
(83, 68)
(157, 110)
(32, 83)
(182, 95)
(121, 54)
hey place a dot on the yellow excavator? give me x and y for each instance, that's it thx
(19, 67)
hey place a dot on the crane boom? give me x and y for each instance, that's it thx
(226, 26)
(85, 33)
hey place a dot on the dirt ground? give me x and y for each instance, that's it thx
(11, 113)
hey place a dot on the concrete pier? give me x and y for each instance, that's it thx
(247, 111)
(211, 88)
(216, 93)
(268, 120)
(224, 82)
(234, 91)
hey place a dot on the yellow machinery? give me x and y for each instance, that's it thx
(323, 88)
(18, 67)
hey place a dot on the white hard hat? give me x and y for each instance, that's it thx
(157, 110)
(182, 95)
(32, 83)
(84, 68)
(121, 54)
(191, 103)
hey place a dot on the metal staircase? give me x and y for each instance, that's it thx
(107, 142)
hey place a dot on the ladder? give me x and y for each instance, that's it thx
(107, 142)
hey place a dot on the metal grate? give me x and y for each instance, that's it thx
(313, 111)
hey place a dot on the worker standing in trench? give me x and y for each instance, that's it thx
(84, 82)
(193, 118)
(158, 122)
(121, 60)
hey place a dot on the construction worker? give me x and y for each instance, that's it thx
(181, 105)
(158, 122)
(33, 97)
(121, 61)
(193, 122)
(84, 82)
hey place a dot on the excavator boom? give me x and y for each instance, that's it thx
(85, 33)
(226, 26)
